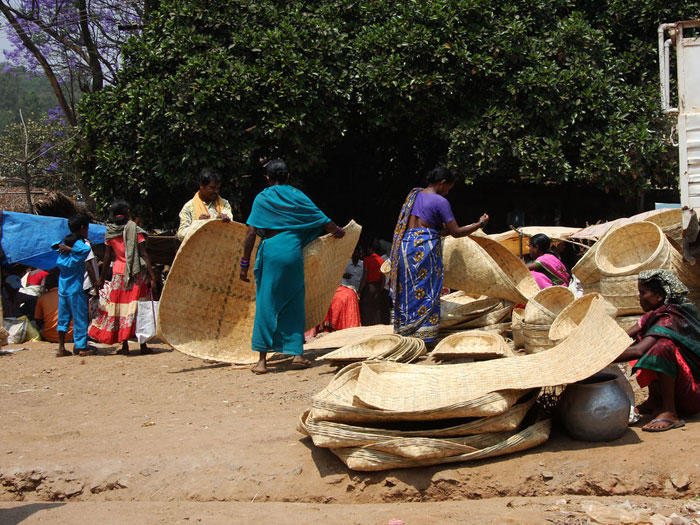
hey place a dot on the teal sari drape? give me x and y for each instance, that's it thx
(279, 266)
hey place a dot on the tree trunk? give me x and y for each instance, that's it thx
(27, 185)
(95, 67)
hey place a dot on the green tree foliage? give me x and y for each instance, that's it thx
(21, 90)
(368, 93)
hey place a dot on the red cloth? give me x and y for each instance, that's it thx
(344, 311)
(373, 264)
(36, 277)
(116, 317)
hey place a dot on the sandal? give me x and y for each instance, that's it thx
(63, 353)
(671, 424)
(87, 351)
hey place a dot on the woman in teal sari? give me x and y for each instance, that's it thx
(286, 220)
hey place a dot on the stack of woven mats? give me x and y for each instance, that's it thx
(377, 415)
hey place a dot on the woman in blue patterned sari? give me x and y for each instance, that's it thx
(416, 255)
(286, 220)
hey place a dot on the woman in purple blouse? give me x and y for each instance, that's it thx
(416, 255)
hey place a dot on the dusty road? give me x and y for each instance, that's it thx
(167, 438)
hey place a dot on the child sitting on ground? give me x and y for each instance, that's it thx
(72, 301)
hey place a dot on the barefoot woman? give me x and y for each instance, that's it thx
(286, 221)
(667, 349)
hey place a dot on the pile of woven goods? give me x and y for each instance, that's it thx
(612, 265)
(478, 401)
(377, 415)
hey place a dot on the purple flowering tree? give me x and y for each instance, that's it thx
(75, 43)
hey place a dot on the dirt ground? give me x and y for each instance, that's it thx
(166, 438)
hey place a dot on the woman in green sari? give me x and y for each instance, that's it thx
(286, 220)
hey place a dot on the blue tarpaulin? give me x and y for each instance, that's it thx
(27, 239)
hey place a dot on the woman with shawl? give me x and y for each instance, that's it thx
(286, 220)
(131, 276)
(666, 350)
(546, 266)
(416, 255)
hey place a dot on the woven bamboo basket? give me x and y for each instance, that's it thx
(220, 326)
(627, 321)
(536, 338)
(470, 268)
(336, 403)
(459, 307)
(385, 268)
(671, 223)
(591, 288)
(621, 292)
(513, 267)
(586, 270)
(328, 434)
(630, 249)
(475, 344)
(367, 349)
(491, 318)
(571, 316)
(369, 459)
(400, 387)
(544, 307)
(516, 326)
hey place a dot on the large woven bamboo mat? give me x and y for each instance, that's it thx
(206, 311)
(594, 344)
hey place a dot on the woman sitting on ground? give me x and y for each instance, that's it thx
(546, 267)
(667, 350)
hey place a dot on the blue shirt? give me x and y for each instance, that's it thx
(72, 269)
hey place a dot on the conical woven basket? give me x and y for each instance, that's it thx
(328, 434)
(459, 307)
(475, 344)
(399, 387)
(424, 452)
(544, 307)
(206, 311)
(470, 268)
(336, 403)
(630, 249)
(571, 316)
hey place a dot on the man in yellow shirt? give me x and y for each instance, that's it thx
(206, 203)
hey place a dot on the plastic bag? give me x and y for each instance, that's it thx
(146, 316)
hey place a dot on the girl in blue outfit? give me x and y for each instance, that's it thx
(286, 220)
(72, 301)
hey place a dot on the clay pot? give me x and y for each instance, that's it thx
(595, 409)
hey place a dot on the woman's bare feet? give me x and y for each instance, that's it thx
(664, 421)
(144, 349)
(301, 362)
(124, 350)
(261, 366)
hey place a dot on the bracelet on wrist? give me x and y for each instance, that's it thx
(338, 229)
(245, 263)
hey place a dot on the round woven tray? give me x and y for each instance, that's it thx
(544, 307)
(367, 349)
(571, 316)
(630, 249)
(206, 311)
(586, 270)
(478, 345)
(491, 318)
